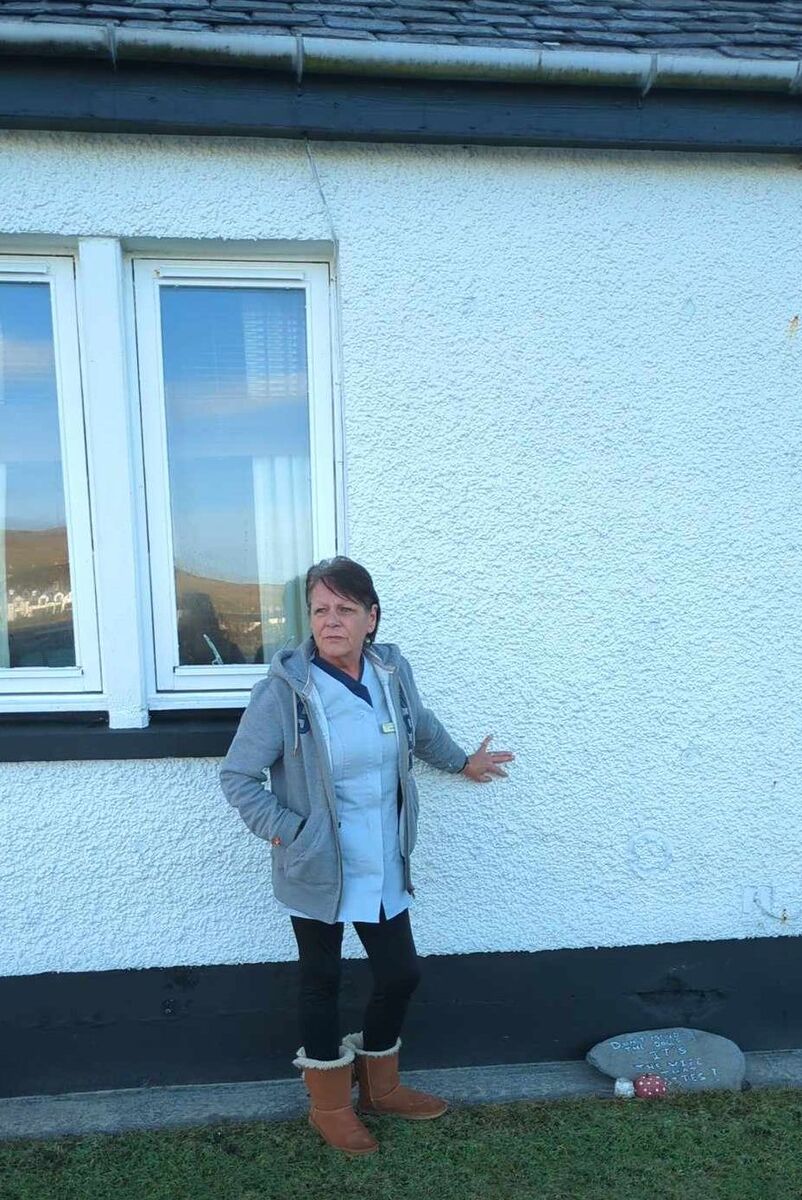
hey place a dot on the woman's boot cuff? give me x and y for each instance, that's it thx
(322, 1064)
(354, 1043)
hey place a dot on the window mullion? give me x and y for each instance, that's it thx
(114, 481)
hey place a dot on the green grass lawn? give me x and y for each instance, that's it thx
(737, 1146)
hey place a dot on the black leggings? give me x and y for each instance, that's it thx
(396, 974)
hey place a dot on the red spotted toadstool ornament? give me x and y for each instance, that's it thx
(650, 1087)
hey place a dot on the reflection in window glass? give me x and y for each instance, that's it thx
(36, 627)
(235, 382)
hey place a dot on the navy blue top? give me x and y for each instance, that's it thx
(353, 685)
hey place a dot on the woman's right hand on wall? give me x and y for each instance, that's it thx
(484, 765)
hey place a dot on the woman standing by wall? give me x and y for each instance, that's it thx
(335, 725)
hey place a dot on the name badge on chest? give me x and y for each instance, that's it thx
(388, 727)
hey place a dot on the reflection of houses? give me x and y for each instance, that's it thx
(34, 604)
(508, 306)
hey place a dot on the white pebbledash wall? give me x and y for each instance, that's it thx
(573, 431)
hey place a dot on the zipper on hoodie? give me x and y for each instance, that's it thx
(323, 752)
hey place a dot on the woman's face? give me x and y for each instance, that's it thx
(339, 625)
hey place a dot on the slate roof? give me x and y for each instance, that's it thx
(733, 28)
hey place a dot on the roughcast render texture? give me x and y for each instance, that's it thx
(573, 431)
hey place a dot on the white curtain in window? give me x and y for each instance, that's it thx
(282, 492)
(5, 647)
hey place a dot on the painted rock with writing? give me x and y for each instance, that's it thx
(689, 1060)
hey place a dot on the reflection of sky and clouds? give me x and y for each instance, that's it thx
(29, 423)
(235, 374)
(235, 381)
(32, 566)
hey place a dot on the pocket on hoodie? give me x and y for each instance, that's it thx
(312, 857)
(286, 850)
(302, 839)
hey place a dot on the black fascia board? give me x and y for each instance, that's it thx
(75, 737)
(164, 98)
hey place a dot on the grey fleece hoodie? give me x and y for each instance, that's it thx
(277, 773)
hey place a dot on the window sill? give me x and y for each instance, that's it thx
(82, 736)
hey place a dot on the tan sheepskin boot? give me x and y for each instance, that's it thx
(331, 1112)
(380, 1089)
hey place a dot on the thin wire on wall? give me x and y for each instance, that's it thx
(337, 340)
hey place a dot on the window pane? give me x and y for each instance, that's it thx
(36, 627)
(235, 381)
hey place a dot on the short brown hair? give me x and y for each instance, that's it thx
(349, 579)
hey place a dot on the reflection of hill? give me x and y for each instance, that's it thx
(37, 563)
(37, 558)
(237, 608)
(226, 594)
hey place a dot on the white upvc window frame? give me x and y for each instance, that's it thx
(46, 688)
(170, 685)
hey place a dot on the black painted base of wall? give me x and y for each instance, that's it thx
(181, 1025)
